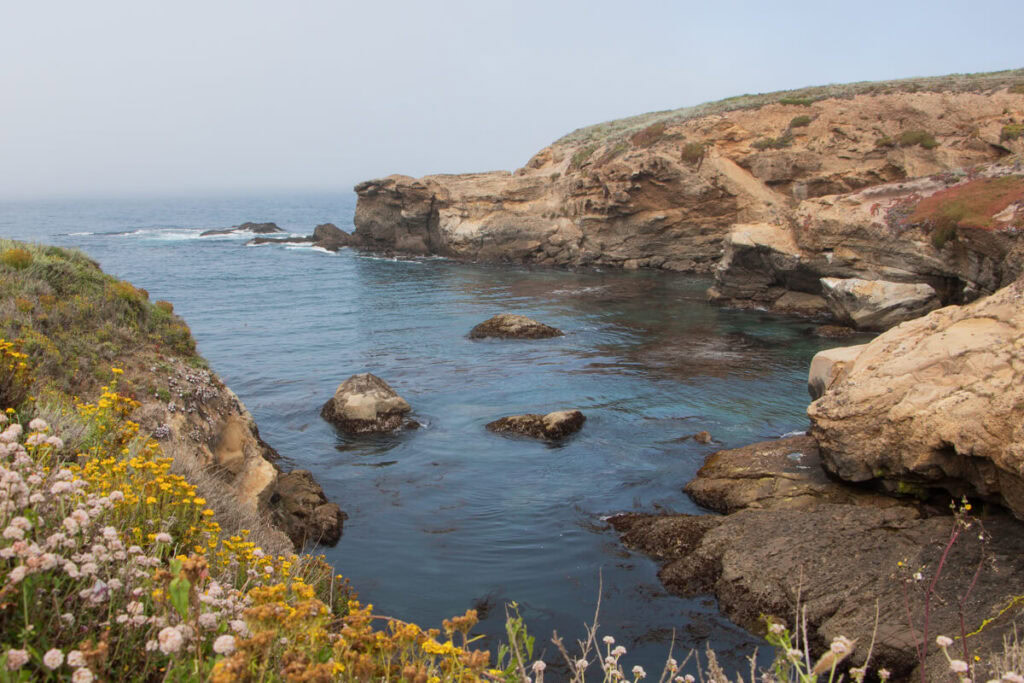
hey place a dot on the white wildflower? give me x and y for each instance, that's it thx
(224, 645)
(82, 675)
(76, 658)
(38, 425)
(16, 659)
(170, 640)
(943, 641)
(958, 666)
(53, 659)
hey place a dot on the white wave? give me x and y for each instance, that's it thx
(579, 291)
(392, 259)
(799, 432)
(162, 234)
(308, 247)
(80, 234)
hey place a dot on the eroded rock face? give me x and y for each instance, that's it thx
(832, 244)
(935, 402)
(877, 304)
(366, 403)
(829, 366)
(303, 512)
(508, 326)
(204, 427)
(666, 196)
(553, 426)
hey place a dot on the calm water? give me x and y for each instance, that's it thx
(450, 515)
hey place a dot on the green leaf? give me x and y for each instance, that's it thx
(179, 589)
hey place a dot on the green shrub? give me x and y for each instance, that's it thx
(923, 138)
(785, 140)
(1017, 89)
(165, 306)
(16, 258)
(885, 141)
(693, 152)
(800, 121)
(581, 157)
(798, 101)
(1012, 131)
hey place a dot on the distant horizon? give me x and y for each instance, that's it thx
(130, 100)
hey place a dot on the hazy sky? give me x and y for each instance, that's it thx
(110, 97)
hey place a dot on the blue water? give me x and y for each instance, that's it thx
(450, 515)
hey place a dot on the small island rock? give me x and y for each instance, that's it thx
(255, 228)
(365, 403)
(303, 512)
(552, 426)
(508, 326)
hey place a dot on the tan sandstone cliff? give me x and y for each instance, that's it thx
(666, 190)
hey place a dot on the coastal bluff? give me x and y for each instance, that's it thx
(678, 190)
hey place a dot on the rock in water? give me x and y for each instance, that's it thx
(552, 426)
(937, 401)
(303, 512)
(256, 228)
(365, 403)
(507, 326)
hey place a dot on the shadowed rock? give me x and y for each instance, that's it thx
(508, 326)
(794, 535)
(303, 512)
(552, 426)
(365, 403)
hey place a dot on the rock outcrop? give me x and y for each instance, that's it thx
(326, 236)
(552, 427)
(255, 228)
(664, 190)
(877, 304)
(828, 366)
(791, 534)
(937, 402)
(211, 435)
(509, 326)
(958, 234)
(366, 403)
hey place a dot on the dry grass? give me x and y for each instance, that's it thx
(956, 83)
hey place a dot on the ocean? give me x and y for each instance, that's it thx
(450, 516)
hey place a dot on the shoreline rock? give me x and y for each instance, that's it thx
(508, 326)
(551, 427)
(365, 403)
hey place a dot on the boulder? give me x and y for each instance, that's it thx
(330, 236)
(552, 426)
(936, 402)
(366, 403)
(301, 510)
(828, 366)
(255, 228)
(508, 326)
(877, 304)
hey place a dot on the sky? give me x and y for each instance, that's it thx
(170, 97)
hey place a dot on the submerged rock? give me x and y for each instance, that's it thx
(303, 512)
(508, 326)
(256, 228)
(552, 426)
(366, 403)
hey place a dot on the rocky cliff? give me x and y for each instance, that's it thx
(666, 190)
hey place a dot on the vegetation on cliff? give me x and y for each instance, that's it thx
(1012, 79)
